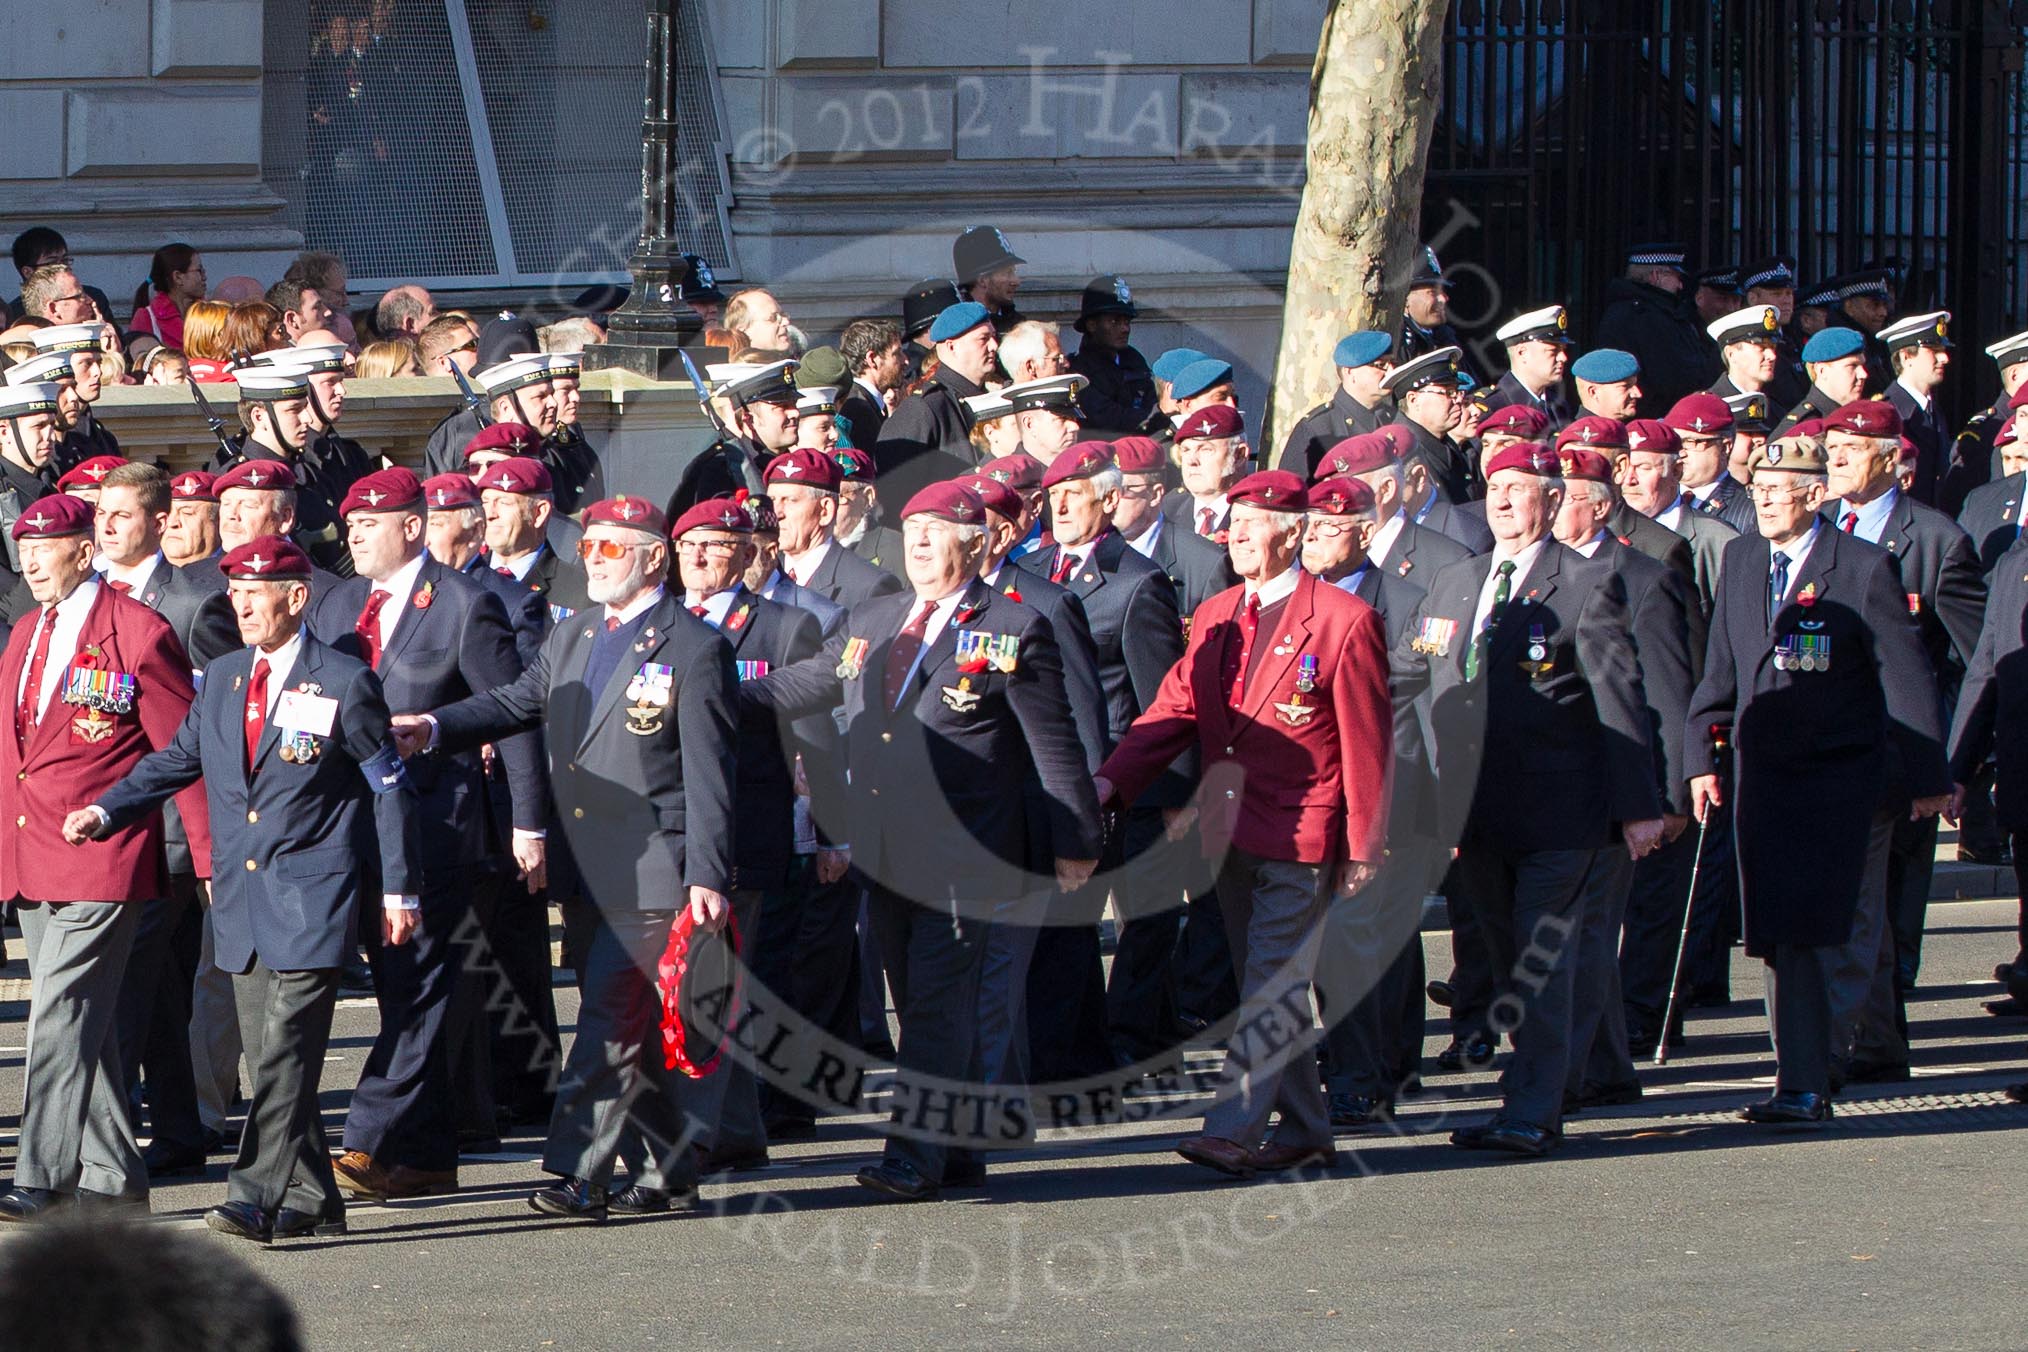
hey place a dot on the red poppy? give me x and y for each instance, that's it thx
(425, 596)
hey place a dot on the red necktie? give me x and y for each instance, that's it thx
(31, 689)
(698, 611)
(368, 626)
(1204, 521)
(612, 623)
(505, 572)
(123, 588)
(1066, 564)
(256, 707)
(1848, 522)
(1249, 625)
(901, 657)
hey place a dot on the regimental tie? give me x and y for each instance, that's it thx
(1475, 656)
(1777, 586)
(1204, 519)
(123, 588)
(1066, 564)
(1249, 629)
(31, 688)
(1849, 522)
(256, 708)
(901, 656)
(368, 625)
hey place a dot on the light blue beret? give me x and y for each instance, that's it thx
(1199, 376)
(1362, 348)
(1606, 366)
(1175, 359)
(953, 320)
(1831, 344)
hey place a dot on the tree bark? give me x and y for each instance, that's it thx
(1373, 103)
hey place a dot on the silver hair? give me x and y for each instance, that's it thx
(1023, 342)
(571, 334)
(468, 517)
(1108, 480)
(1602, 494)
(1282, 520)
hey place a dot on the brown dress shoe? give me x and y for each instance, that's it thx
(356, 1172)
(1275, 1158)
(1215, 1152)
(403, 1181)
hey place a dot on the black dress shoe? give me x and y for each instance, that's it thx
(1440, 993)
(965, 1172)
(2018, 1092)
(1475, 1053)
(899, 1180)
(574, 1197)
(640, 1200)
(242, 1219)
(2006, 971)
(172, 1161)
(1609, 1096)
(293, 1224)
(478, 1143)
(733, 1160)
(2007, 1006)
(29, 1204)
(1359, 1112)
(1789, 1108)
(1877, 1072)
(1508, 1136)
(1983, 853)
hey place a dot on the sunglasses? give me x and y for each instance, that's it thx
(610, 550)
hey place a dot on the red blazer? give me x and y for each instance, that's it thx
(65, 768)
(1277, 782)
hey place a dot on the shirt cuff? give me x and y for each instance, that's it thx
(431, 744)
(520, 834)
(406, 901)
(105, 817)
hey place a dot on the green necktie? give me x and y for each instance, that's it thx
(1476, 656)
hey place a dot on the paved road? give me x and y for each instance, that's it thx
(1661, 1225)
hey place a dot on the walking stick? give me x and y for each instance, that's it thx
(1721, 736)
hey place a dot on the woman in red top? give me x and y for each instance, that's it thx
(204, 345)
(176, 277)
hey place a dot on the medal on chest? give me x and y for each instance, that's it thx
(1295, 711)
(852, 662)
(1433, 637)
(1803, 652)
(1537, 663)
(961, 698)
(650, 693)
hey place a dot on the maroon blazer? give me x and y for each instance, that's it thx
(1278, 782)
(74, 756)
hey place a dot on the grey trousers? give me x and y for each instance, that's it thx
(1274, 920)
(214, 1035)
(75, 1128)
(739, 1128)
(285, 1022)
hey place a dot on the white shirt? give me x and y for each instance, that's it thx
(1383, 539)
(136, 577)
(1144, 543)
(520, 567)
(280, 662)
(1590, 547)
(1921, 399)
(637, 606)
(1523, 563)
(1275, 589)
(1672, 516)
(1798, 552)
(1704, 494)
(800, 566)
(1217, 504)
(399, 589)
(940, 615)
(1079, 554)
(715, 605)
(879, 399)
(68, 624)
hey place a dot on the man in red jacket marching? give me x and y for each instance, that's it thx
(96, 681)
(1284, 690)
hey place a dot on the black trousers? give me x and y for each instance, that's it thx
(1911, 862)
(1370, 976)
(933, 960)
(527, 1050)
(285, 1025)
(402, 1108)
(1152, 898)
(152, 1021)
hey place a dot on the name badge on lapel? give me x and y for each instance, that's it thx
(651, 691)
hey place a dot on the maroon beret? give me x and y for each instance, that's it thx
(90, 473)
(1808, 427)
(1654, 436)
(384, 490)
(854, 464)
(517, 474)
(1211, 422)
(1530, 457)
(53, 516)
(1341, 495)
(633, 513)
(1599, 433)
(1399, 437)
(1701, 415)
(267, 558)
(1515, 420)
(270, 475)
(2006, 435)
(948, 501)
(1276, 489)
(1079, 461)
(447, 492)
(726, 513)
(194, 485)
(505, 438)
(1582, 462)
(1139, 455)
(2020, 397)
(1363, 454)
(1867, 418)
(807, 466)
(1019, 471)
(997, 497)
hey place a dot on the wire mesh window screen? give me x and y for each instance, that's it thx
(369, 137)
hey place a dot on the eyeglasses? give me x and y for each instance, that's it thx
(1325, 529)
(74, 296)
(1137, 491)
(610, 550)
(1775, 492)
(718, 548)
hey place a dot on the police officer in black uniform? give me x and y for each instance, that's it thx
(989, 272)
(1647, 314)
(1121, 393)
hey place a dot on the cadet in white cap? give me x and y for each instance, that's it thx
(817, 417)
(576, 469)
(995, 430)
(521, 392)
(28, 436)
(1538, 355)
(274, 402)
(1048, 413)
(755, 403)
(341, 460)
(1918, 355)
(1974, 457)
(1749, 344)
(86, 436)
